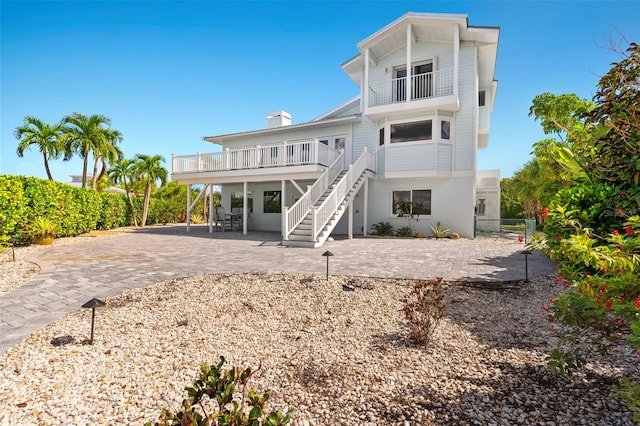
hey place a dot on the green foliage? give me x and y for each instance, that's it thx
(73, 211)
(404, 231)
(423, 309)
(592, 226)
(382, 228)
(511, 206)
(213, 400)
(439, 232)
(629, 392)
(42, 230)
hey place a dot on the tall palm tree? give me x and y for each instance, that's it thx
(108, 153)
(122, 172)
(45, 136)
(88, 134)
(149, 170)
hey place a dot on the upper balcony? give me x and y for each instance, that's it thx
(301, 159)
(423, 87)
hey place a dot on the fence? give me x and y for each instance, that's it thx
(506, 228)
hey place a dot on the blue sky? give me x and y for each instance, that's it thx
(167, 73)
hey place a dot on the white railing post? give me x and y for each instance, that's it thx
(285, 153)
(199, 162)
(285, 224)
(314, 219)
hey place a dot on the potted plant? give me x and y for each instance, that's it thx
(42, 231)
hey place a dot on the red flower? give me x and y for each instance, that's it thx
(544, 212)
(617, 269)
(559, 238)
(637, 303)
(628, 230)
(545, 308)
(566, 286)
(615, 232)
(608, 304)
(619, 212)
(598, 296)
(621, 301)
(559, 278)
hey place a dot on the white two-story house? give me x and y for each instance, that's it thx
(408, 141)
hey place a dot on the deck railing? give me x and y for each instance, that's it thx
(423, 86)
(296, 213)
(288, 153)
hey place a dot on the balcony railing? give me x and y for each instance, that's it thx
(423, 86)
(288, 153)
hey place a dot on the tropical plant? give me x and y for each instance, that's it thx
(149, 170)
(212, 400)
(86, 135)
(593, 226)
(42, 230)
(439, 232)
(404, 231)
(45, 136)
(123, 173)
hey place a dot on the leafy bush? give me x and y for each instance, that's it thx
(73, 211)
(423, 309)
(382, 228)
(215, 390)
(405, 231)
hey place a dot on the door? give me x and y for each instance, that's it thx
(422, 81)
(399, 85)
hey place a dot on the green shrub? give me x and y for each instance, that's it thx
(382, 228)
(216, 390)
(405, 231)
(42, 230)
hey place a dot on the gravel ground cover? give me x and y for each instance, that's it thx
(336, 357)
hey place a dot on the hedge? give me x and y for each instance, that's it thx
(73, 210)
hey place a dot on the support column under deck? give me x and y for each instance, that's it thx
(245, 210)
(188, 207)
(366, 206)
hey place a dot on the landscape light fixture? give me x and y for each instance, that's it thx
(13, 250)
(327, 254)
(93, 304)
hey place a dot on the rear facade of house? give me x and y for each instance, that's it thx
(404, 151)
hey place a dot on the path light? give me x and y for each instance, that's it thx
(327, 254)
(13, 250)
(93, 304)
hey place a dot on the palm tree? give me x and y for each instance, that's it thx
(46, 136)
(122, 172)
(88, 134)
(108, 153)
(149, 169)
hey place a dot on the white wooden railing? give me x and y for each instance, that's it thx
(423, 86)
(323, 213)
(292, 216)
(308, 151)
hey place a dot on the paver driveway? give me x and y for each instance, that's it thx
(71, 275)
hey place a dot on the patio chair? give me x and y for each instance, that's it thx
(223, 218)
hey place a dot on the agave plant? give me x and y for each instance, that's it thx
(439, 232)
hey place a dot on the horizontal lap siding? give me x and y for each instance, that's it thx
(383, 70)
(410, 158)
(464, 143)
(444, 156)
(364, 134)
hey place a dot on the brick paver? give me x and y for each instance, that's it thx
(73, 274)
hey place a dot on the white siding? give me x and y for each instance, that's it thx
(364, 134)
(407, 158)
(464, 143)
(444, 156)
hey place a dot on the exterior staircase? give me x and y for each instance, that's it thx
(325, 213)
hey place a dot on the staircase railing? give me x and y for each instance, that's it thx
(323, 213)
(296, 213)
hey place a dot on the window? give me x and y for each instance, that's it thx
(481, 98)
(237, 199)
(381, 140)
(482, 207)
(445, 129)
(411, 202)
(271, 202)
(408, 132)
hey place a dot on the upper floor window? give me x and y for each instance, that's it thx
(445, 130)
(409, 132)
(381, 137)
(481, 97)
